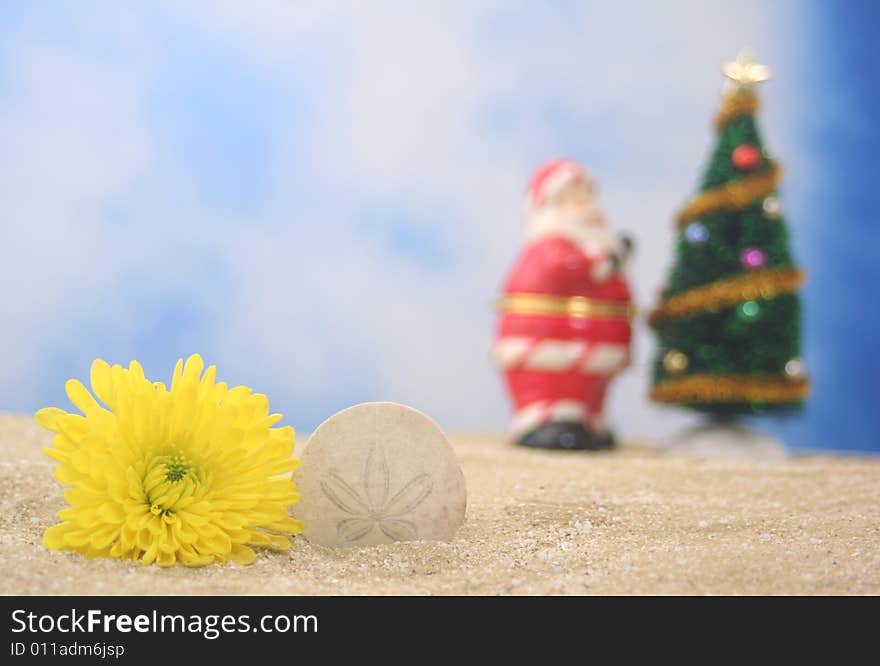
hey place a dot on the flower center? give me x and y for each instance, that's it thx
(170, 478)
(177, 468)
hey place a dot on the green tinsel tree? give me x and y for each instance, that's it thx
(729, 318)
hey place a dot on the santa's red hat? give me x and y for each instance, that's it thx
(551, 178)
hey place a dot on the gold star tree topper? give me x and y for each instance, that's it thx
(744, 71)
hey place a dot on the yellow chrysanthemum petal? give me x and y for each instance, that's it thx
(290, 525)
(279, 541)
(192, 474)
(77, 538)
(193, 559)
(101, 378)
(242, 554)
(72, 426)
(111, 512)
(136, 371)
(53, 538)
(48, 417)
(103, 538)
(55, 454)
(271, 420)
(151, 553)
(79, 395)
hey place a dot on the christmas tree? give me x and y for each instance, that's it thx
(729, 317)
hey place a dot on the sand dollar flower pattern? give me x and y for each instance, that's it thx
(372, 503)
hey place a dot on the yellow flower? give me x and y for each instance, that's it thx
(195, 474)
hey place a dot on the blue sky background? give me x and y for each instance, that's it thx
(323, 201)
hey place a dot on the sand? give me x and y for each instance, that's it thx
(635, 521)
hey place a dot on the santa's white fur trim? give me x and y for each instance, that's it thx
(602, 269)
(567, 410)
(560, 355)
(584, 228)
(543, 412)
(558, 180)
(605, 358)
(511, 351)
(554, 355)
(527, 418)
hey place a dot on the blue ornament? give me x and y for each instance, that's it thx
(696, 233)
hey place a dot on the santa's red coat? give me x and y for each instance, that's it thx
(557, 366)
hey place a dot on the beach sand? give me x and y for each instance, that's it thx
(636, 521)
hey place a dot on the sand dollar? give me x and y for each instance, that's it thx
(379, 472)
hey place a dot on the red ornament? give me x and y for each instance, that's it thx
(746, 157)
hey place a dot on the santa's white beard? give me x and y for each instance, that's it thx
(585, 228)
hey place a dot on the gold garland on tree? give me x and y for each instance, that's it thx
(730, 389)
(734, 195)
(763, 284)
(740, 102)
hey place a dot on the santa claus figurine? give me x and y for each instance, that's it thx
(564, 328)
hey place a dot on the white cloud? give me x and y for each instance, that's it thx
(69, 149)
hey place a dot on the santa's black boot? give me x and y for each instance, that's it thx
(605, 440)
(567, 435)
